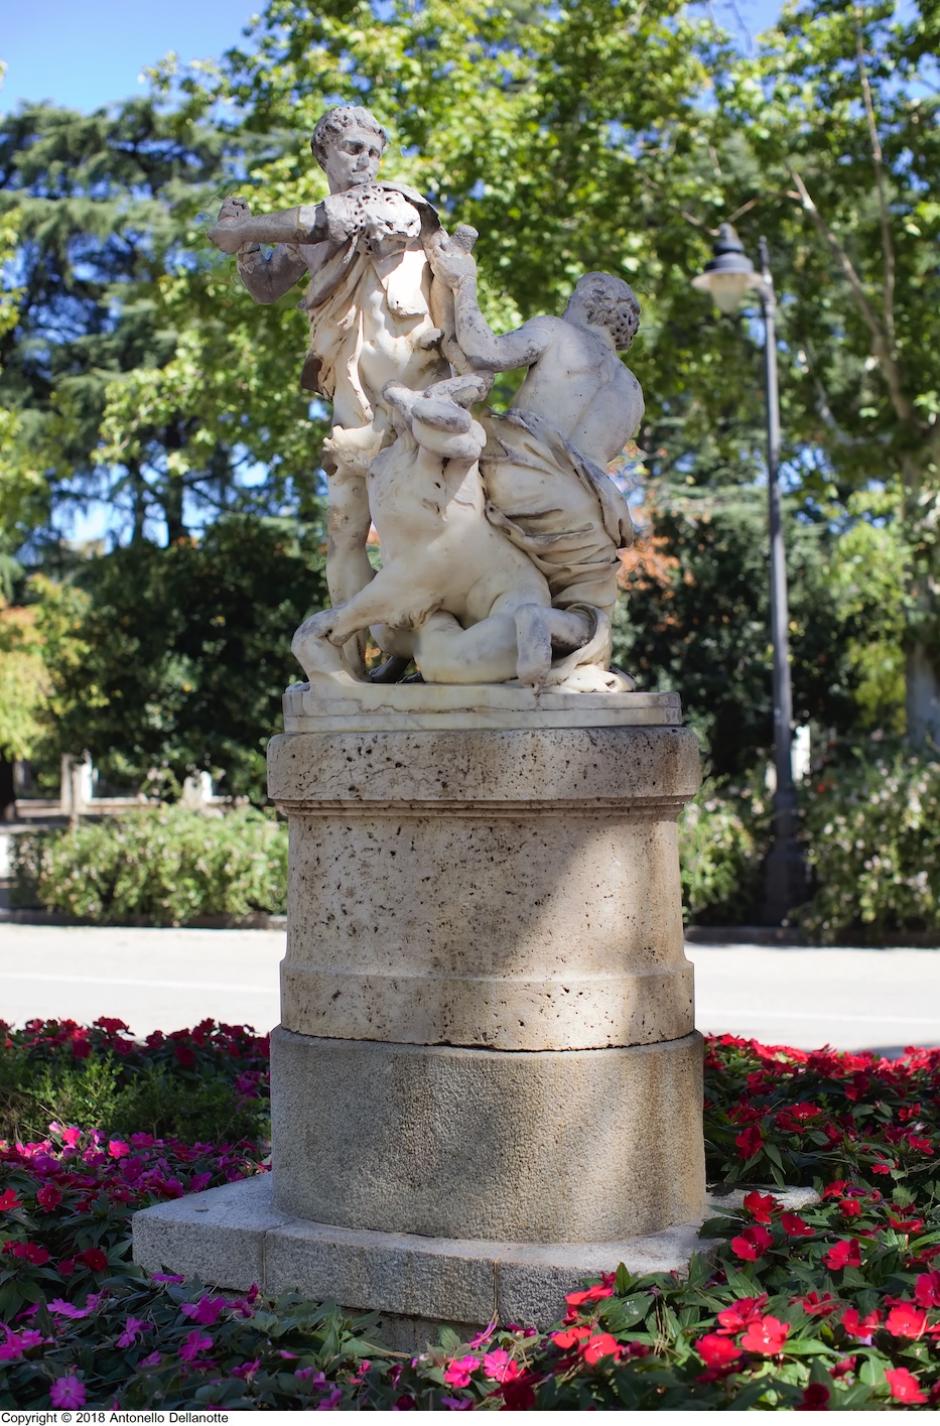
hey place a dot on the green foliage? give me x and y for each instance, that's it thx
(722, 841)
(695, 617)
(186, 656)
(164, 867)
(873, 833)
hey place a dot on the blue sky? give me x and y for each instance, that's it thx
(92, 53)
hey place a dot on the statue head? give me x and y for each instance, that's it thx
(348, 144)
(602, 300)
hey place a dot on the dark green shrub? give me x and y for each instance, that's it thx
(165, 866)
(722, 838)
(873, 835)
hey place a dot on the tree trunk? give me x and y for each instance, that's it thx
(7, 791)
(922, 698)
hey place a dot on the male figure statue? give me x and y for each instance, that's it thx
(544, 465)
(374, 315)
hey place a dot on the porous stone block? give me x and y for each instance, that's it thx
(575, 1146)
(234, 1236)
(513, 889)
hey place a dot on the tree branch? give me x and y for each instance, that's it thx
(880, 343)
(887, 245)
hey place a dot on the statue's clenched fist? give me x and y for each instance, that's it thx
(226, 233)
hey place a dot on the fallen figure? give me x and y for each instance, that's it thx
(454, 590)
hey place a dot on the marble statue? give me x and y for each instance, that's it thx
(498, 531)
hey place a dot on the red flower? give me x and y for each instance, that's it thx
(81, 1049)
(741, 1313)
(927, 1289)
(570, 1337)
(815, 1397)
(603, 1345)
(794, 1226)
(596, 1293)
(33, 1253)
(766, 1336)
(48, 1197)
(861, 1327)
(94, 1259)
(184, 1056)
(906, 1320)
(842, 1367)
(749, 1141)
(752, 1243)
(760, 1206)
(9, 1201)
(881, 1167)
(716, 1350)
(904, 1386)
(836, 1188)
(845, 1254)
(519, 1395)
(850, 1208)
(816, 1304)
(111, 1027)
(906, 1225)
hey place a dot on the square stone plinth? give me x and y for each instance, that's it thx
(233, 1236)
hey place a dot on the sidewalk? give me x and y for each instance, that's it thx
(167, 979)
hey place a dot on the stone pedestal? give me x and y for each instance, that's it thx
(487, 1071)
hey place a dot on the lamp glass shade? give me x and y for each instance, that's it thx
(727, 289)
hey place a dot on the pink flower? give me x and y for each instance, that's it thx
(118, 1149)
(498, 1365)
(459, 1371)
(483, 1335)
(195, 1344)
(67, 1392)
(766, 1336)
(71, 1136)
(59, 1308)
(716, 1350)
(904, 1386)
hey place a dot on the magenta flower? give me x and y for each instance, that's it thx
(67, 1392)
(459, 1371)
(152, 1361)
(60, 1308)
(247, 1369)
(456, 1403)
(133, 1327)
(206, 1311)
(331, 1401)
(195, 1344)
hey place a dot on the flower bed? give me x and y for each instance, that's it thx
(834, 1306)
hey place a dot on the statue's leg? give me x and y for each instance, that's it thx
(348, 569)
(484, 653)
(541, 634)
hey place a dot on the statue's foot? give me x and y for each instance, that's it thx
(534, 644)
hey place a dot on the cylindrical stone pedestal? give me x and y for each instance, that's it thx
(487, 1019)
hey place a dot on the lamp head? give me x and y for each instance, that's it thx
(730, 273)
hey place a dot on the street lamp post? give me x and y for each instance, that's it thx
(728, 278)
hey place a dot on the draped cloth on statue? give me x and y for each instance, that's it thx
(357, 298)
(564, 511)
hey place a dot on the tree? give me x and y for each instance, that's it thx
(839, 111)
(185, 656)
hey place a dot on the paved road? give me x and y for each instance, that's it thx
(165, 979)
